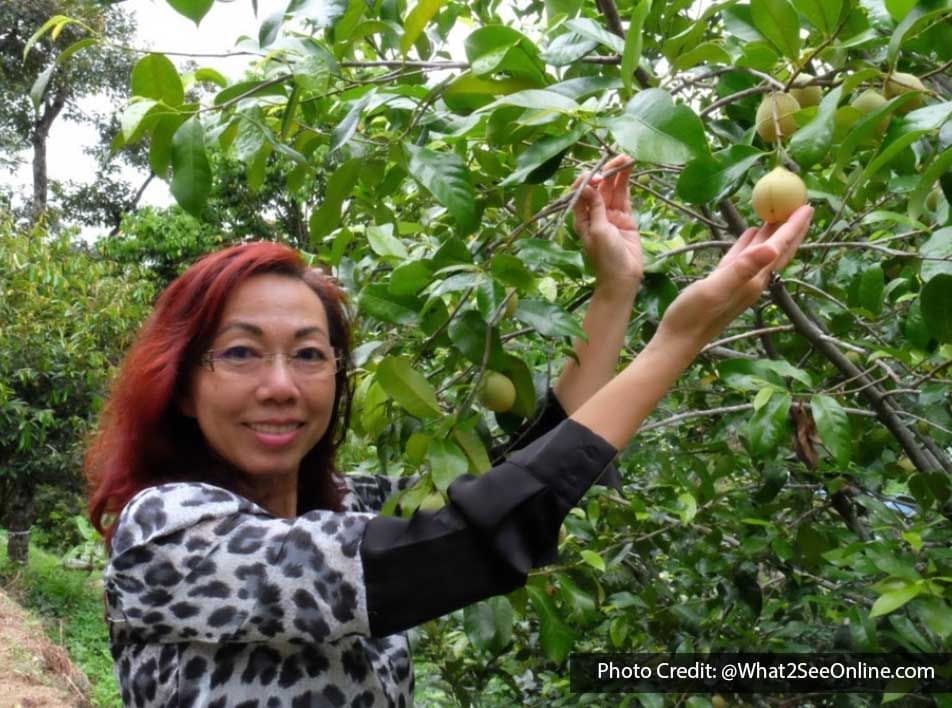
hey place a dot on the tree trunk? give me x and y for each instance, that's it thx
(20, 518)
(41, 131)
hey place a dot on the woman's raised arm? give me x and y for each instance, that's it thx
(695, 317)
(609, 234)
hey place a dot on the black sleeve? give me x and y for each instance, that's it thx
(496, 527)
(550, 415)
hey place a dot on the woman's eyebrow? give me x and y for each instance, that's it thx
(256, 330)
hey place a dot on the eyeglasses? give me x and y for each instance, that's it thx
(313, 362)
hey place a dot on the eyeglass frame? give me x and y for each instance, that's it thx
(207, 359)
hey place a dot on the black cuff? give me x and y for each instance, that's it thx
(484, 542)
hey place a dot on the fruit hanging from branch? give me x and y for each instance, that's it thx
(806, 95)
(900, 83)
(775, 116)
(778, 194)
(497, 392)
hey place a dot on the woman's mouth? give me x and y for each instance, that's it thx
(272, 435)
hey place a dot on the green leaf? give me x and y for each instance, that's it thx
(446, 461)
(633, 43)
(833, 427)
(445, 175)
(936, 615)
(941, 165)
(321, 13)
(593, 559)
(768, 426)
(548, 319)
(911, 25)
(537, 99)
(472, 446)
(557, 638)
(160, 143)
(822, 14)
(467, 331)
(194, 10)
(871, 285)
(345, 129)
(410, 278)
(376, 300)
(418, 18)
(488, 624)
(934, 300)
(154, 76)
(212, 76)
(133, 119)
(468, 93)
(777, 21)
(894, 599)
(38, 89)
(327, 218)
(703, 53)
(64, 56)
(567, 48)
(384, 243)
(653, 129)
(248, 89)
(268, 32)
(541, 151)
(810, 143)
(409, 388)
(709, 178)
(595, 32)
(191, 172)
(55, 23)
(939, 245)
(497, 48)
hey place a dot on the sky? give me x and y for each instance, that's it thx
(162, 29)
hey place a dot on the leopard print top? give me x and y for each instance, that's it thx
(213, 601)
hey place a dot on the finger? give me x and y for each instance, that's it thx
(750, 264)
(598, 217)
(605, 191)
(581, 211)
(738, 247)
(788, 237)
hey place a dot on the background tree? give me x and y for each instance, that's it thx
(792, 493)
(40, 85)
(65, 319)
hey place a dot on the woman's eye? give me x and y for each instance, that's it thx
(311, 354)
(239, 353)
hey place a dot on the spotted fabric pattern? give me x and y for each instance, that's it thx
(213, 601)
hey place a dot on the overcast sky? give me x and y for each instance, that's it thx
(162, 29)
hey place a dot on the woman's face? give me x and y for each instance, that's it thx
(265, 422)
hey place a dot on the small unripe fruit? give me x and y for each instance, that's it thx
(497, 392)
(806, 95)
(906, 465)
(778, 194)
(644, 180)
(854, 357)
(776, 111)
(932, 200)
(900, 83)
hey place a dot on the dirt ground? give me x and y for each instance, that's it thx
(33, 671)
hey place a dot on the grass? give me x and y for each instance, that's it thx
(70, 604)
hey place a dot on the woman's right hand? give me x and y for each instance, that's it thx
(703, 309)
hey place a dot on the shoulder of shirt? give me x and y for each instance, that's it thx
(169, 508)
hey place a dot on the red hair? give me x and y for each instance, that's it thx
(143, 439)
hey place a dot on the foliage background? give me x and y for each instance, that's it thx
(792, 492)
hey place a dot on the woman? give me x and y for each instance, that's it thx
(244, 572)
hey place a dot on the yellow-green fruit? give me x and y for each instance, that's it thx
(511, 304)
(778, 194)
(932, 200)
(718, 701)
(432, 502)
(806, 95)
(776, 111)
(854, 357)
(868, 101)
(644, 180)
(900, 83)
(497, 393)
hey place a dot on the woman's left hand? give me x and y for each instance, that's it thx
(604, 221)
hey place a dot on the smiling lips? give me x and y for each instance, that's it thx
(275, 435)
